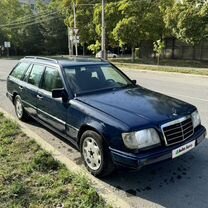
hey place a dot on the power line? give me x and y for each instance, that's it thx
(25, 22)
(29, 16)
(31, 23)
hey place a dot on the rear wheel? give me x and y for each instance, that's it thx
(19, 109)
(95, 154)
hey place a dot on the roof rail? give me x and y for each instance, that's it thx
(41, 58)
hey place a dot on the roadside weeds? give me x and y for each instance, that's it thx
(110, 197)
(31, 177)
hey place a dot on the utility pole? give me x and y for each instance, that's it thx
(69, 41)
(103, 49)
(75, 27)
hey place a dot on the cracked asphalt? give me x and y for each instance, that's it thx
(181, 182)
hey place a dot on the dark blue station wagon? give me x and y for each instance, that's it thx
(111, 120)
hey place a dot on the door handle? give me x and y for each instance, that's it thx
(39, 97)
(20, 87)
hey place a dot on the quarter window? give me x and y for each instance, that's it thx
(19, 70)
(36, 74)
(51, 79)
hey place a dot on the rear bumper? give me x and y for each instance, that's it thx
(144, 158)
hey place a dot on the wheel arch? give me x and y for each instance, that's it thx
(14, 96)
(87, 127)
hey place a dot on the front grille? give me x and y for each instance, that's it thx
(178, 130)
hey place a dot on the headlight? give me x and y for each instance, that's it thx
(195, 119)
(141, 139)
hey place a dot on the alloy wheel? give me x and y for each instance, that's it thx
(91, 153)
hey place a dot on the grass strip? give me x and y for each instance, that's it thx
(31, 177)
(184, 70)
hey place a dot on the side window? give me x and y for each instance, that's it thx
(51, 79)
(36, 74)
(19, 70)
(27, 73)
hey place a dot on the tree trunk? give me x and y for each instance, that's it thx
(201, 46)
(84, 49)
(133, 54)
(182, 52)
(194, 53)
(173, 48)
(158, 59)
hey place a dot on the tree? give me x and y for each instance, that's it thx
(159, 47)
(84, 17)
(126, 32)
(52, 29)
(140, 20)
(39, 32)
(112, 16)
(95, 47)
(10, 12)
(188, 20)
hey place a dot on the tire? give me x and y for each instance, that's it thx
(95, 154)
(19, 109)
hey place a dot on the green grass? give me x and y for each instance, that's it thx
(30, 177)
(165, 62)
(184, 70)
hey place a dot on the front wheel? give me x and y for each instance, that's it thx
(19, 109)
(95, 154)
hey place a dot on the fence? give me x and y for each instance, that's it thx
(177, 49)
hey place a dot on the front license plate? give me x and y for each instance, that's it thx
(183, 149)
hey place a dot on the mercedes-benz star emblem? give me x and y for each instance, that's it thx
(174, 112)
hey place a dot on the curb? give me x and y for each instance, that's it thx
(108, 195)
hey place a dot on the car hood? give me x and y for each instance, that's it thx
(138, 106)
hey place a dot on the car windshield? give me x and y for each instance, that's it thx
(91, 78)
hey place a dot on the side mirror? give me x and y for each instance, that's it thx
(60, 93)
(134, 81)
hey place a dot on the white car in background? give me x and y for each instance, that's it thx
(109, 54)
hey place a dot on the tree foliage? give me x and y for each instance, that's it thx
(128, 22)
(140, 20)
(188, 20)
(39, 32)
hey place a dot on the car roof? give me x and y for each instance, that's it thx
(65, 62)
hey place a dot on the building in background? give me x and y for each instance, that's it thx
(32, 3)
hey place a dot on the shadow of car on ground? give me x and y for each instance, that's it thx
(174, 183)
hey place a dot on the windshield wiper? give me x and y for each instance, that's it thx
(94, 91)
(122, 87)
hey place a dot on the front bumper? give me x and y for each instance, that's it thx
(138, 160)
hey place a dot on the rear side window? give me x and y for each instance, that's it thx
(51, 79)
(19, 70)
(36, 74)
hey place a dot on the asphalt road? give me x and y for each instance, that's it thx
(178, 183)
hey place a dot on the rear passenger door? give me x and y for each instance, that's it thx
(30, 87)
(50, 110)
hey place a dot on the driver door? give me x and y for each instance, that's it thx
(51, 111)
